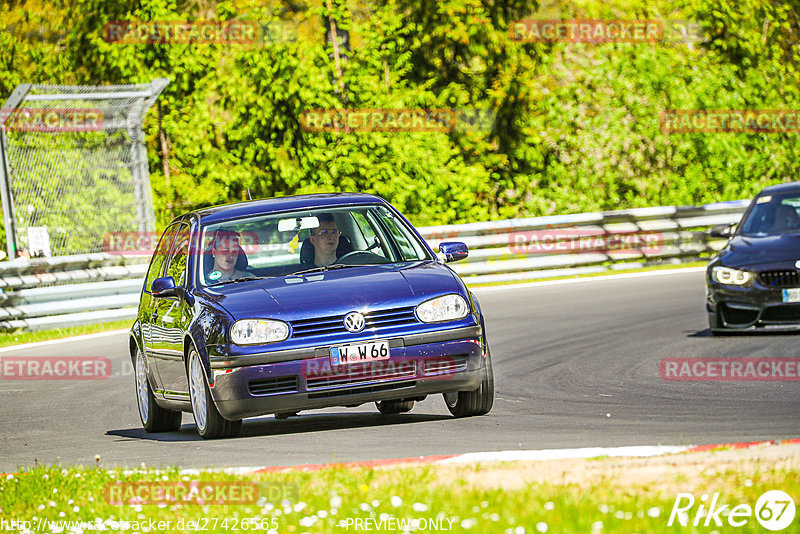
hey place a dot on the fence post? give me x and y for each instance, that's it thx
(9, 220)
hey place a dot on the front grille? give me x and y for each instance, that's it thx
(781, 314)
(271, 386)
(736, 316)
(334, 324)
(446, 364)
(363, 389)
(779, 278)
(363, 373)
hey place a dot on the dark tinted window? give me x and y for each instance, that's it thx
(160, 255)
(773, 215)
(176, 266)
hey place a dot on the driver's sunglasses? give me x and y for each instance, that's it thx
(328, 233)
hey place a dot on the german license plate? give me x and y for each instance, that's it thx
(362, 352)
(791, 295)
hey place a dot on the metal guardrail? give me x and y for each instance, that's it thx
(71, 290)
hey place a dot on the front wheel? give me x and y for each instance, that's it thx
(478, 402)
(154, 417)
(210, 424)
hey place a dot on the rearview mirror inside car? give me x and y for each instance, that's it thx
(300, 223)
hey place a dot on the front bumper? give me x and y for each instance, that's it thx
(412, 372)
(751, 308)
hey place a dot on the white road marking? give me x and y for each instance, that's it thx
(62, 340)
(562, 454)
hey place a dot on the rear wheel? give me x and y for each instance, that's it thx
(210, 424)
(478, 402)
(394, 406)
(154, 417)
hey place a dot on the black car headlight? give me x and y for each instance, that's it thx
(258, 331)
(733, 277)
(444, 308)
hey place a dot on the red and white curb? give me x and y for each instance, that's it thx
(498, 456)
(511, 456)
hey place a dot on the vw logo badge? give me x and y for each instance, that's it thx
(354, 322)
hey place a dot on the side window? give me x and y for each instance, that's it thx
(369, 234)
(407, 249)
(160, 256)
(176, 267)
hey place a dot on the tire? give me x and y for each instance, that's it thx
(478, 402)
(154, 417)
(210, 424)
(394, 406)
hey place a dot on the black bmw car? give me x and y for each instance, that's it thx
(753, 284)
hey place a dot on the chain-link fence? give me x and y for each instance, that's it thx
(74, 166)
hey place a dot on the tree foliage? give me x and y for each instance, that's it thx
(548, 127)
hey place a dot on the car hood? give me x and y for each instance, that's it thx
(336, 292)
(742, 251)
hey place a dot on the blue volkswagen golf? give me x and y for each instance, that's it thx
(288, 304)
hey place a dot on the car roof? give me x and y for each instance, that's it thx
(278, 204)
(781, 188)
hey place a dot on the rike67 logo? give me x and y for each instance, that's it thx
(774, 511)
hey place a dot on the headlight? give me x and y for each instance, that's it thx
(446, 308)
(258, 331)
(734, 277)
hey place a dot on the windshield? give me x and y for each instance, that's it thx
(293, 242)
(773, 215)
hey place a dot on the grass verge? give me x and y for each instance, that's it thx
(565, 497)
(8, 339)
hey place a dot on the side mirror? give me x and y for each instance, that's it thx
(723, 231)
(453, 251)
(165, 287)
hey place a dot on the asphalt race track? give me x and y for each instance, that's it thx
(576, 365)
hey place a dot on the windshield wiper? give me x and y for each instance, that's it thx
(324, 268)
(233, 281)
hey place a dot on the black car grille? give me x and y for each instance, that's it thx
(781, 314)
(364, 373)
(780, 278)
(446, 364)
(363, 389)
(271, 386)
(335, 324)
